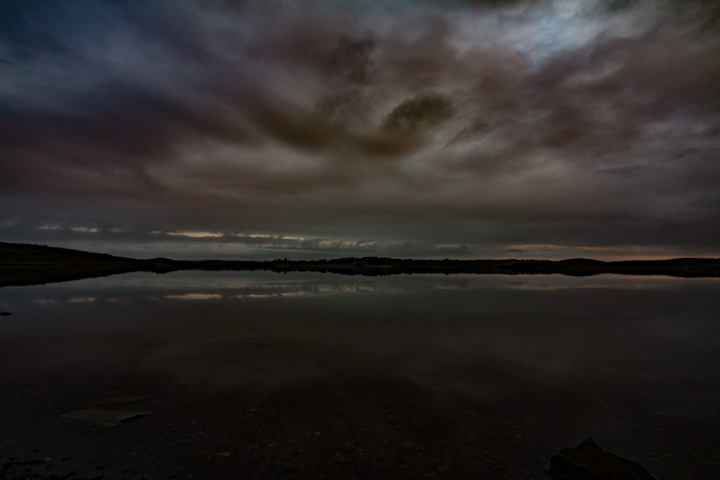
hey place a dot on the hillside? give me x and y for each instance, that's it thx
(22, 264)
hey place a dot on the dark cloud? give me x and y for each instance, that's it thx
(346, 108)
(350, 59)
(417, 113)
(532, 119)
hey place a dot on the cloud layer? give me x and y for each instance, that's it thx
(576, 123)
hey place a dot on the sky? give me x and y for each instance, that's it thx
(318, 129)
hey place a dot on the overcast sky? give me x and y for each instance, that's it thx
(306, 129)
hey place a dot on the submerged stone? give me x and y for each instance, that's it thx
(589, 461)
(105, 418)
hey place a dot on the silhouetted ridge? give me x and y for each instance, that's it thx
(32, 264)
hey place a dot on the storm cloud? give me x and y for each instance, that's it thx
(486, 126)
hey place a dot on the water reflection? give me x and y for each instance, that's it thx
(253, 285)
(540, 328)
(195, 296)
(553, 358)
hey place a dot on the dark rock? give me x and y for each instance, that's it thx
(105, 418)
(589, 461)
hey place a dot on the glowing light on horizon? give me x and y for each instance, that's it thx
(192, 234)
(84, 229)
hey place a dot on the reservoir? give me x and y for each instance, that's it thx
(229, 375)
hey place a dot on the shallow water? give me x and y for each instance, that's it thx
(263, 375)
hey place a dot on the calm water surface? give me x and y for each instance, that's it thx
(265, 375)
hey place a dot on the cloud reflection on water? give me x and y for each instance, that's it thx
(194, 296)
(229, 327)
(200, 286)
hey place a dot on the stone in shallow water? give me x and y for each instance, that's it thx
(120, 400)
(589, 461)
(105, 418)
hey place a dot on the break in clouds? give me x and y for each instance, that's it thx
(525, 126)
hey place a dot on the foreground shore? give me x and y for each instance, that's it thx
(330, 428)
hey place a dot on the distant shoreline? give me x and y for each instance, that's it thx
(25, 264)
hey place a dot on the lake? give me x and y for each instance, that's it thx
(308, 375)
